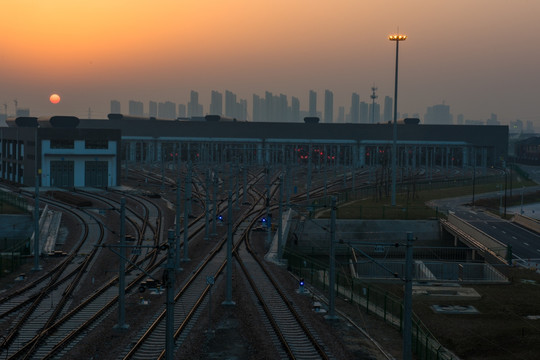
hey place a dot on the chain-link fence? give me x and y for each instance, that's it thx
(373, 300)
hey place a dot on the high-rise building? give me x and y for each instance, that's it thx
(136, 108)
(312, 103)
(257, 105)
(295, 109)
(216, 103)
(529, 127)
(230, 104)
(182, 110)
(328, 106)
(115, 107)
(374, 113)
(493, 120)
(387, 112)
(236, 109)
(341, 114)
(242, 110)
(460, 119)
(438, 115)
(355, 109)
(194, 108)
(22, 112)
(269, 114)
(152, 109)
(167, 110)
(283, 108)
(364, 113)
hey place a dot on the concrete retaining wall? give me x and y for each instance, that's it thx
(529, 223)
(313, 235)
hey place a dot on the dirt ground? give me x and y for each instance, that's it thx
(501, 329)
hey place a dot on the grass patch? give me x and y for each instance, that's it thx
(411, 206)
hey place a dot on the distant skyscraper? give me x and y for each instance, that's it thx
(388, 115)
(167, 110)
(355, 109)
(242, 110)
(328, 106)
(216, 103)
(341, 115)
(364, 113)
(374, 113)
(493, 120)
(182, 110)
(136, 108)
(115, 107)
(257, 105)
(460, 119)
(268, 114)
(194, 108)
(295, 109)
(283, 108)
(529, 126)
(152, 109)
(22, 112)
(438, 114)
(312, 103)
(230, 103)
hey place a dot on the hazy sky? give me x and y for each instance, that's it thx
(477, 56)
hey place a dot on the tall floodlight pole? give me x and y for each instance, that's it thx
(397, 38)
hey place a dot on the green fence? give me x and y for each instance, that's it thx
(373, 300)
(13, 253)
(10, 201)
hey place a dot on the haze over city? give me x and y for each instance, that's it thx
(479, 57)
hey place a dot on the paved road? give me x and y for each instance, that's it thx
(525, 244)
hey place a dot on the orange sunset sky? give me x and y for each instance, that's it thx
(477, 56)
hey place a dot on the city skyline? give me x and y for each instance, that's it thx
(476, 56)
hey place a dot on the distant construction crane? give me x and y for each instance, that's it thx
(373, 96)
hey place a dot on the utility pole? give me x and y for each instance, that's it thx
(169, 279)
(228, 299)
(332, 286)
(206, 207)
(280, 218)
(37, 267)
(187, 207)
(407, 301)
(214, 202)
(122, 270)
(177, 227)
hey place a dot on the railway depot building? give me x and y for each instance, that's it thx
(58, 153)
(214, 139)
(74, 152)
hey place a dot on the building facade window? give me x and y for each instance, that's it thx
(96, 144)
(62, 144)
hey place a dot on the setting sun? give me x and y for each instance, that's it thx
(54, 98)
